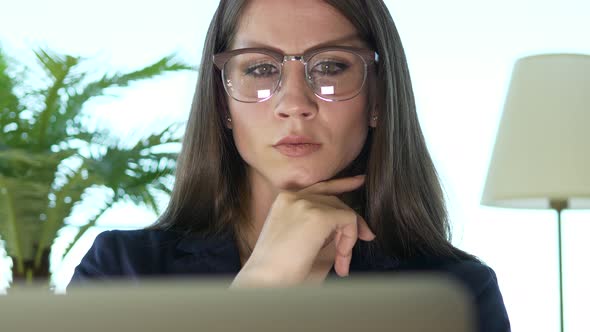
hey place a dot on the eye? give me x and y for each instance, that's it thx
(262, 70)
(328, 68)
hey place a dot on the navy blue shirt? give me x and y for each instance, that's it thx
(152, 253)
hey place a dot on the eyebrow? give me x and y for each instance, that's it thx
(348, 39)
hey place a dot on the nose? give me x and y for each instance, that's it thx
(294, 99)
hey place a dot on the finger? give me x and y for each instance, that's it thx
(337, 237)
(346, 241)
(336, 186)
(347, 216)
(364, 231)
(342, 265)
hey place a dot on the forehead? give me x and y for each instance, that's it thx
(293, 26)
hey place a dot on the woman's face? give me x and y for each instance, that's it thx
(337, 130)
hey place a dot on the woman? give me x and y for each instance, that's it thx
(303, 158)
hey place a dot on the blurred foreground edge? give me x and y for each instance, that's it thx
(409, 303)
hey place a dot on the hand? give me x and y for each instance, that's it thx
(298, 225)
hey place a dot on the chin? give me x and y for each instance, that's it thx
(294, 182)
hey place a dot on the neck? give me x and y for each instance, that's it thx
(260, 199)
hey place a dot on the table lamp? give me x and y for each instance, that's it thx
(541, 158)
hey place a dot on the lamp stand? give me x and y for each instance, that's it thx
(559, 205)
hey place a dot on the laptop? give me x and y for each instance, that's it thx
(408, 303)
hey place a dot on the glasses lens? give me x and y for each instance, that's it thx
(251, 77)
(336, 75)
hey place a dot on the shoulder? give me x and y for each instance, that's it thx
(472, 273)
(478, 276)
(125, 253)
(481, 282)
(136, 239)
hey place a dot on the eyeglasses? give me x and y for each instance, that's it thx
(253, 75)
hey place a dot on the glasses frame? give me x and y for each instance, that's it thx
(368, 56)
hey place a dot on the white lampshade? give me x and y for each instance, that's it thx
(542, 150)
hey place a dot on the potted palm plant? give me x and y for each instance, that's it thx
(51, 158)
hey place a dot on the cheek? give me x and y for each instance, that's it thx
(249, 127)
(353, 137)
(349, 127)
(354, 119)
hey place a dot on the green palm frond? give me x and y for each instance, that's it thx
(75, 100)
(122, 166)
(11, 158)
(61, 206)
(58, 67)
(9, 103)
(55, 65)
(41, 167)
(166, 64)
(140, 189)
(50, 158)
(91, 223)
(10, 107)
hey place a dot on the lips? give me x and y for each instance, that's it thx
(297, 146)
(295, 139)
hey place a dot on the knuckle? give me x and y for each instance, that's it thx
(314, 212)
(303, 205)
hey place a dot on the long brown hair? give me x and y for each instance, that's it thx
(402, 199)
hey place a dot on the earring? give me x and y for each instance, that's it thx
(375, 117)
(228, 119)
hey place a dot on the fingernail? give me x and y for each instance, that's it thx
(360, 176)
